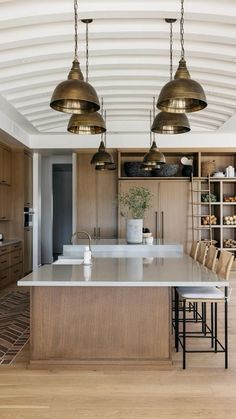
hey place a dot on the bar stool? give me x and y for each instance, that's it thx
(194, 250)
(211, 295)
(211, 257)
(202, 252)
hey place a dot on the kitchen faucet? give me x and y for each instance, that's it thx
(82, 232)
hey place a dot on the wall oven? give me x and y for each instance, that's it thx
(28, 217)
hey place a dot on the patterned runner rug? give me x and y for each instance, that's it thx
(14, 325)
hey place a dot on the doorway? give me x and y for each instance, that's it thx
(62, 207)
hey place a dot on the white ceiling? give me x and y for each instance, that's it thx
(129, 56)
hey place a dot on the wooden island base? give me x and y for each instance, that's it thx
(100, 325)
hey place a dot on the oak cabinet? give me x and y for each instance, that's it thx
(96, 193)
(5, 165)
(28, 250)
(28, 180)
(168, 217)
(10, 264)
(5, 203)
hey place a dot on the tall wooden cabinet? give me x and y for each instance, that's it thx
(168, 217)
(5, 165)
(28, 180)
(96, 194)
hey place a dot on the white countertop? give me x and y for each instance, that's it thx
(9, 242)
(181, 270)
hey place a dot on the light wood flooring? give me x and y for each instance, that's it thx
(205, 390)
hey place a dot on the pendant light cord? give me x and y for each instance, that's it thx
(171, 51)
(182, 30)
(87, 54)
(76, 28)
(153, 117)
(105, 134)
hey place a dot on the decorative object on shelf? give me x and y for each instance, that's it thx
(229, 198)
(230, 171)
(229, 220)
(147, 236)
(102, 159)
(134, 169)
(182, 94)
(166, 122)
(89, 123)
(208, 168)
(208, 197)
(187, 169)
(219, 174)
(209, 220)
(166, 170)
(75, 95)
(134, 206)
(229, 243)
(154, 157)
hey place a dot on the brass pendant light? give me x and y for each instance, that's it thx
(102, 159)
(153, 158)
(90, 123)
(75, 95)
(182, 94)
(166, 122)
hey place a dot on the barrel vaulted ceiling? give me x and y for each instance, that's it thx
(129, 56)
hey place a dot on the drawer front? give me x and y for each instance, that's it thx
(16, 257)
(16, 272)
(5, 249)
(4, 261)
(16, 246)
(5, 278)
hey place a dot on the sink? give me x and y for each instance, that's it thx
(68, 262)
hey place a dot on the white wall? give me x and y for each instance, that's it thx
(47, 204)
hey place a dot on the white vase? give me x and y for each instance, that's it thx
(134, 230)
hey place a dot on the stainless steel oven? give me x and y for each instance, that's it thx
(28, 217)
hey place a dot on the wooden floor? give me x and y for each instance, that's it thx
(204, 390)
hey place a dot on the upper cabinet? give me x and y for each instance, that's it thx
(5, 165)
(96, 193)
(28, 180)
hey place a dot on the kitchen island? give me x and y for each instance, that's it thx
(115, 311)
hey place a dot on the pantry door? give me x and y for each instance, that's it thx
(174, 208)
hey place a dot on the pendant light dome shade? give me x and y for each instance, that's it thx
(87, 124)
(170, 123)
(102, 157)
(153, 157)
(75, 95)
(182, 94)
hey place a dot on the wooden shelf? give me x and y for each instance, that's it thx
(153, 178)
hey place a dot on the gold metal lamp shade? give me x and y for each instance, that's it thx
(182, 94)
(75, 95)
(153, 158)
(102, 157)
(170, 123)
(87, 124)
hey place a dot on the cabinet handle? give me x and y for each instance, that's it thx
(3, 261)
(4, 277)
(162, 225)
(156, 213)
(99, 232)
(94, 232)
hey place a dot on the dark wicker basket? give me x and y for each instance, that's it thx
(133, 169)
(166, 170)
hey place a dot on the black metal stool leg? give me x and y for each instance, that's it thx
(215, 327)
(176, 321)
(184, 334)
(226, 329)
(212, 326)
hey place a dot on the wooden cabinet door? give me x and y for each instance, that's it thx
(5, 202)
(106, 204)
(5, 166)
(28, 250)
(151, 219)
(28, 180)
(86, 195)
(173, 204)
